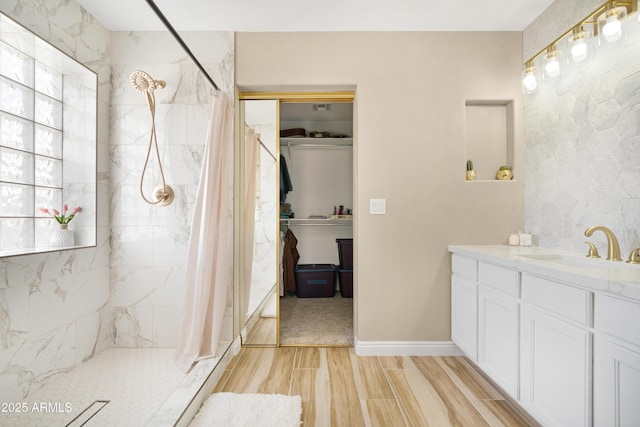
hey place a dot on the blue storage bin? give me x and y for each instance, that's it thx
(315, 280)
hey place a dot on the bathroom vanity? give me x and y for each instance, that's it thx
(558, 332)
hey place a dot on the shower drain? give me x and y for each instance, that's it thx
(88, 413)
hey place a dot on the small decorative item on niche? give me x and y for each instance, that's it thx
(62, 237)
(471, 174)
(504, 173)
(514, 239)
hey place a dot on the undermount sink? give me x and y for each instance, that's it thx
(572, 260)
(615, 271)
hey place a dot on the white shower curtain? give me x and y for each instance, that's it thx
(209, 265)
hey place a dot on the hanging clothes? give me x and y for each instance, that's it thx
(285, 180)
(290, 259)
(209, 270)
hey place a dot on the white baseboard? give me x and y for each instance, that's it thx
(406, 348)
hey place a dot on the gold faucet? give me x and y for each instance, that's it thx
(593, 251)
(613, 248)
(634, 256)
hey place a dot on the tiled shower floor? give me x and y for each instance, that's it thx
(135, 382)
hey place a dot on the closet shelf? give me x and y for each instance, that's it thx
(313, 221)
(316, 142)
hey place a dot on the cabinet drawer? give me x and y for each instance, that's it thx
(618, 317)
(500, 278)
(464, 266)
(567, 301)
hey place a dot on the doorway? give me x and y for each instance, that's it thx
(312, 136)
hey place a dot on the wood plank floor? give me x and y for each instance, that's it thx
(339, 388)
(263, 332)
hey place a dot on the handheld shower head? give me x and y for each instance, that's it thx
(143, 82)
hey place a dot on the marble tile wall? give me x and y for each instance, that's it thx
(582, 151)
(59, 309)
(149, 243)
(54, 307)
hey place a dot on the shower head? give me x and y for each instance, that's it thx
(143, 82)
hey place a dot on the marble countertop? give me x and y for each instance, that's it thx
(618, 278)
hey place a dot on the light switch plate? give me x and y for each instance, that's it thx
(377, 206)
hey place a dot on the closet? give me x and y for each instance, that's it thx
(316, 159)
(310, 136)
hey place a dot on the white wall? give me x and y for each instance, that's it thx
(582, 157)
(53, 306)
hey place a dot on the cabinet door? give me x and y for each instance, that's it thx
(498, 339)
(556, 370)
(464, 305)
(616, 387)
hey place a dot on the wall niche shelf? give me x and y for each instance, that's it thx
(489, 137)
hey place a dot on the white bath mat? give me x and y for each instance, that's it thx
(269, 309)
(249, 410)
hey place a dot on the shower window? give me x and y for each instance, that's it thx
(48, 121)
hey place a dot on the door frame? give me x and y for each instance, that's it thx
(280, 97)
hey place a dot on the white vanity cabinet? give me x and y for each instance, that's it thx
(498, 321)
(556, 346)
(464, 298)
(616, 370)
(562, 339)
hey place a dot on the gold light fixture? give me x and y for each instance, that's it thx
(610, 22)
(606, 21)
(551, 61)
(578, 43)
(529, 78)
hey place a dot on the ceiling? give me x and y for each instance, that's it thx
(319, 15)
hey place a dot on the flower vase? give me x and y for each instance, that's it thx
(62, 237)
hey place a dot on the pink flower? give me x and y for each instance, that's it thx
(62, 218)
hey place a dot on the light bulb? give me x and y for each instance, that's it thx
(551, 62)
(610, 22)
(529, 78)
(529, 81)
(579, 51)
(578, 44)
(612, 30)
(552, 68)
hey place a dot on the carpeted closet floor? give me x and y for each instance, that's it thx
(316, 321)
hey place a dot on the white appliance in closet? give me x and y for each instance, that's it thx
(321, 172)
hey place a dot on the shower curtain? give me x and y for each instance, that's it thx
(209, 272)
(252, 152)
